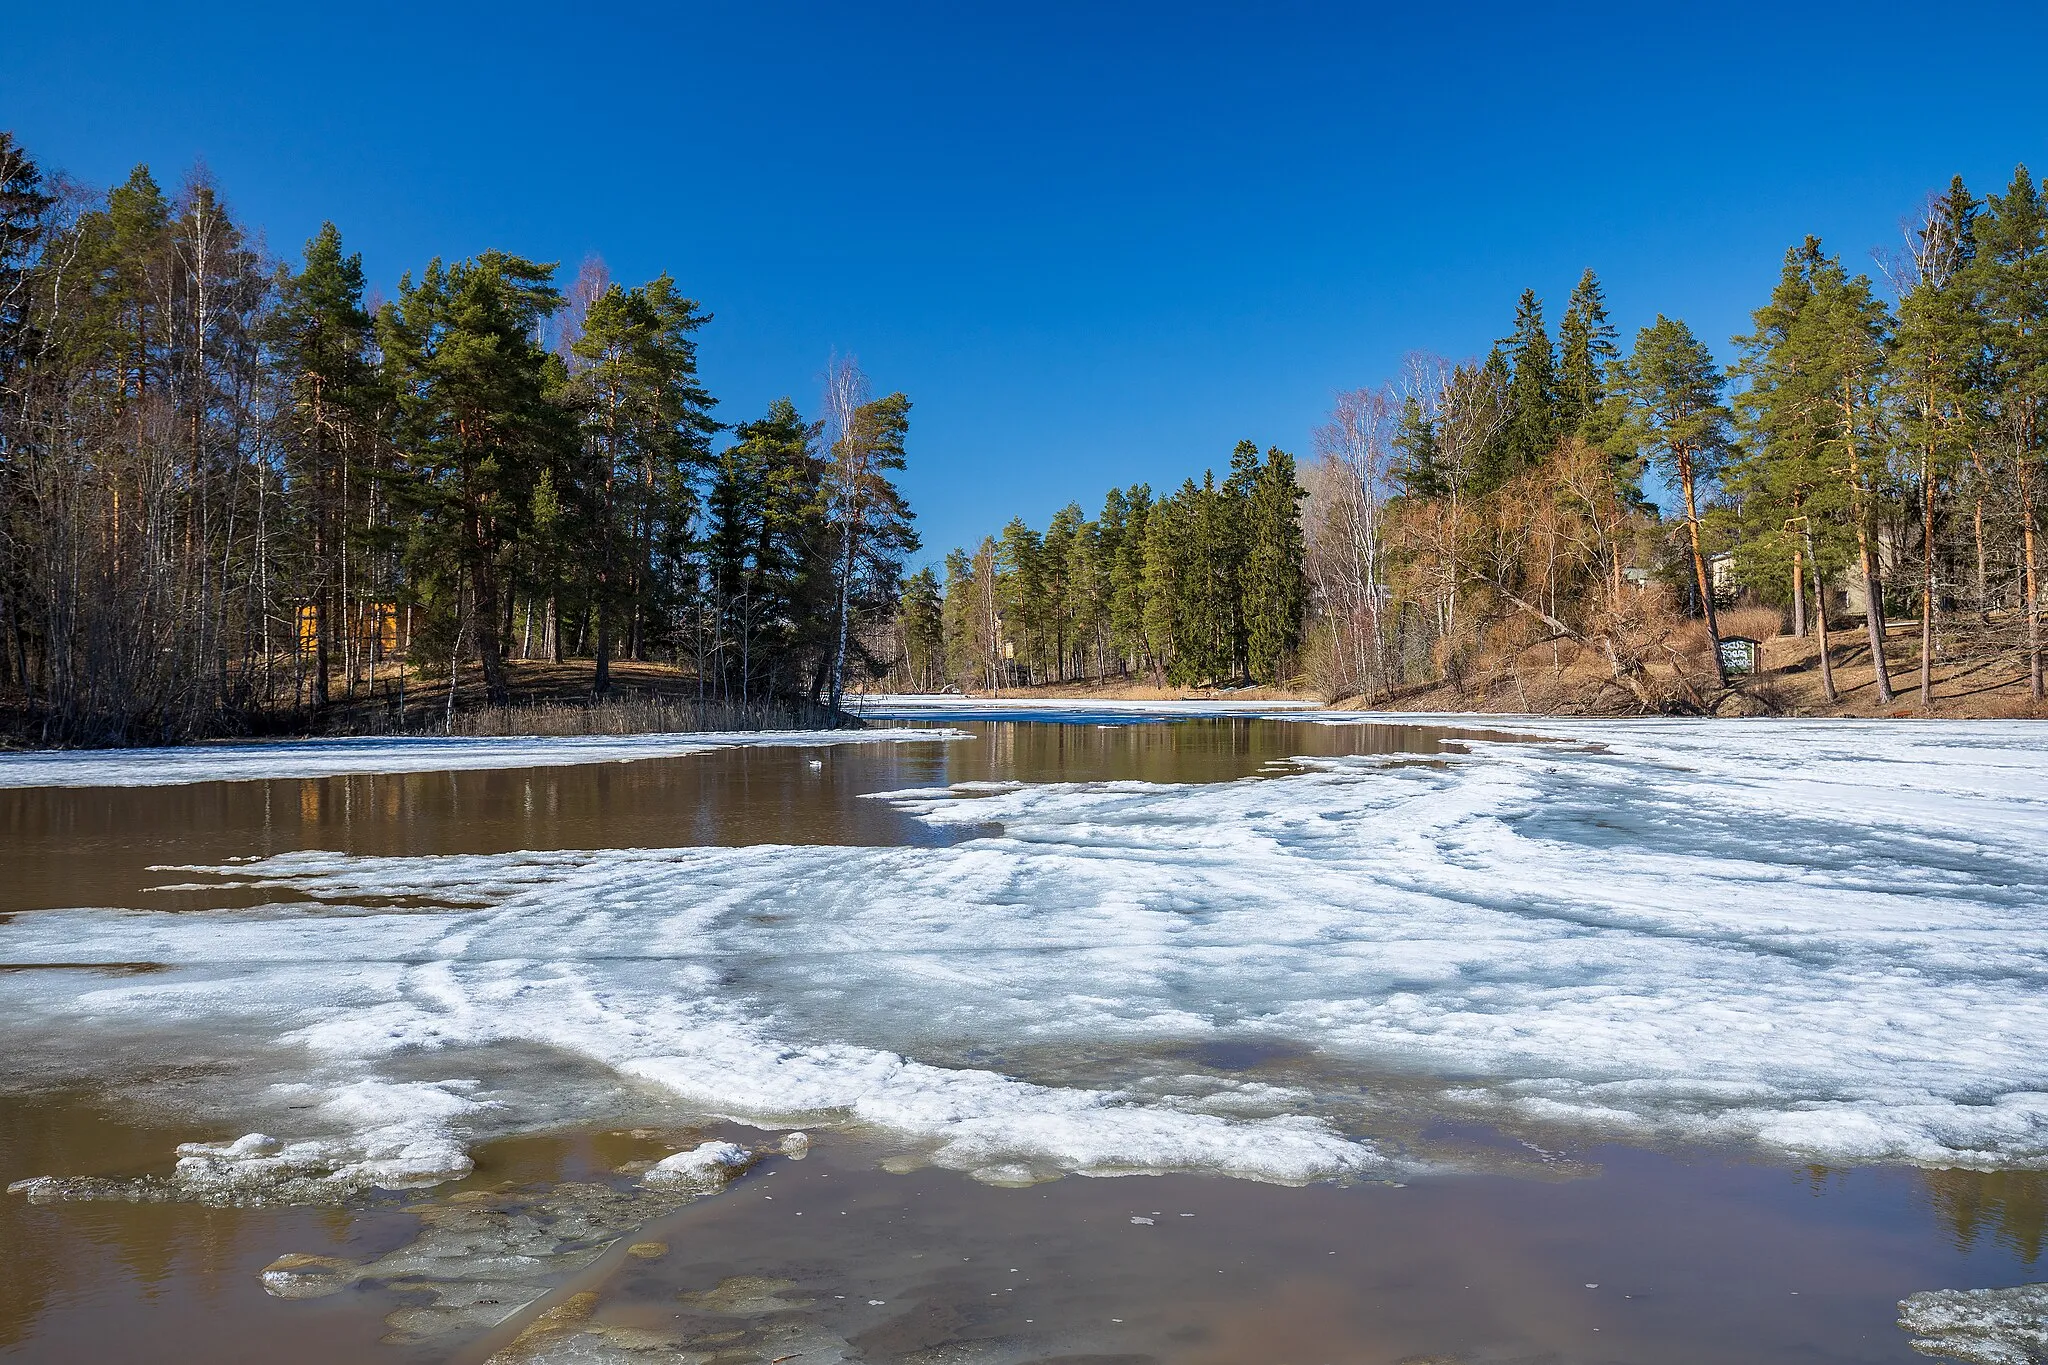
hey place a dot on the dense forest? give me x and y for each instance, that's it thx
(1203, 586)
(1865, 458)
(233, 489)
(239, 493)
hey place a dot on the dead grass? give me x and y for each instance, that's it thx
(1977, 675)
(1758, 623)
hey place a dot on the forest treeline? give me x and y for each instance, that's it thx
(1203, 585)
(232, 487)
(1863, 457)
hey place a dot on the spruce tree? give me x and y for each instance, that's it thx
(24, 200)
(1275, 586)
(922, 619)
(1534, 419)
(1165, 581)
(1586, 352)
(1128, 590)
(1487, 459)
(1417, 469)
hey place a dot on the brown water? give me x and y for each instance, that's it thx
(1699, 1258)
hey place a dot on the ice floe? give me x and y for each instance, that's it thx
(303, 758)
(1822, 939)
(707, 1166)
(1980, 1326)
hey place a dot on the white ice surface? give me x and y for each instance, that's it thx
(707, 1166)
(407, 754)
(1826, 939)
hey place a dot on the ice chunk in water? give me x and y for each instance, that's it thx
(1980, 1326)
(708, 1166)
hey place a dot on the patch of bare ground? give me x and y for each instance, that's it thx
(1975, 676)
(1978, 674)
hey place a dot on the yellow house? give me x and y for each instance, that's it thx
(375, 626)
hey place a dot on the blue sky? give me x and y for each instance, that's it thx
(1096, 244)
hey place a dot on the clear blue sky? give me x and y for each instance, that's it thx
(1095, 243)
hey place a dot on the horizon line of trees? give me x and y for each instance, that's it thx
(1877, 457)
(232, 486)
(1883, 455)
(1203, 585)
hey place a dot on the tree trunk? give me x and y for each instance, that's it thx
(1820, 609)
(1927, 578)
(1699, 567)
(490, 649)
(2028, 580)
(1798, 594)
(1977, 517)
(1873, 612)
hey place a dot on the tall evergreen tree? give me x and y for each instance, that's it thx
(476, 421)
(1418, 470)
(922, 618)
(2012, 271)
(1534, 417)
(646, 428)
(322, 339)
(1586, 352)
(1936, 363)
(871, 521)
(1129, 594)
(1674, 415)
(1275, 587)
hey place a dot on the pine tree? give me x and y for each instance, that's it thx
(1056, 567)
(962, 658)
(321, 336)
(1936, 363)
(1674, 416)
(2012, 271)
(872, 522)
(647, 424)
(1027, 624)
(477, 421)
(1794, 508)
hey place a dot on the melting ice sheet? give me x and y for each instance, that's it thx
(1827, 940)
(408, 754)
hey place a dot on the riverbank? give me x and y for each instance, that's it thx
(1971, 681)
(546, 699)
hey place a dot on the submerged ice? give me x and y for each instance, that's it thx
(1825, 940)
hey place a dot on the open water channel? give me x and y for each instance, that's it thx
(1221, 1039)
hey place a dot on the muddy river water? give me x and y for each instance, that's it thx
(1040, 1123)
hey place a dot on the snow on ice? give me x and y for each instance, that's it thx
(300, 758)
(1821, 939)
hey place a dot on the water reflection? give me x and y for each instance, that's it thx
(2008, 1208)
(94, 846)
